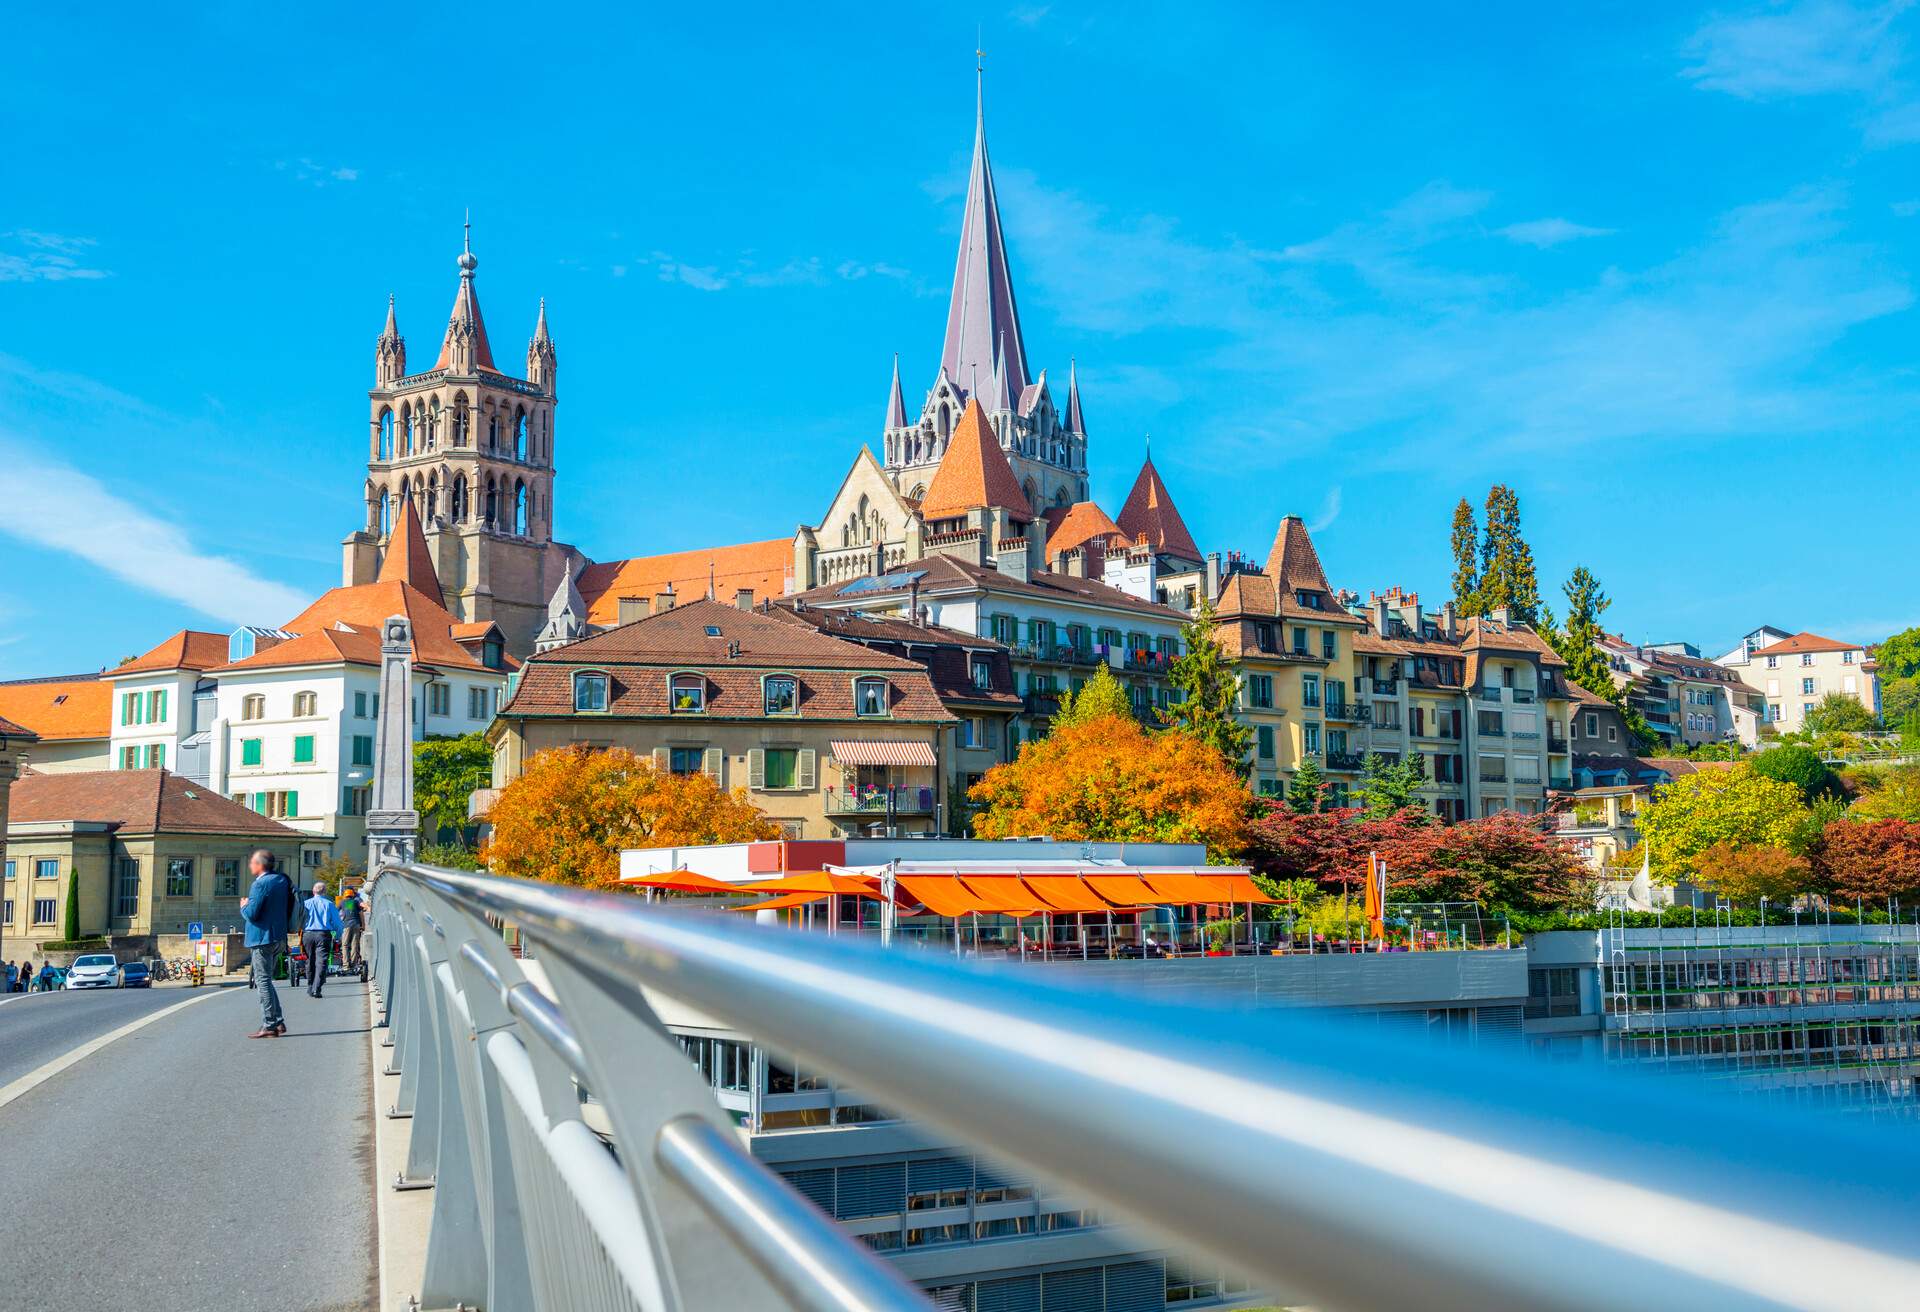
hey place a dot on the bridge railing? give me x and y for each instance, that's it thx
(1326, 1163)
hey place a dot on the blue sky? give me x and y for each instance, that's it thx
(1653, 267)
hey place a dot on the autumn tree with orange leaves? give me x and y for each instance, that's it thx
(1109, 779)
(572, 809)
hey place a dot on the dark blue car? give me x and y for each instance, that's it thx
(135, 975)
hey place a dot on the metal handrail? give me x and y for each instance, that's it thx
(1330, 1163)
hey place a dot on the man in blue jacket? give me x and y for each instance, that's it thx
(268, 910)
(316, 936)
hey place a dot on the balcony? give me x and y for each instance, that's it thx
(906, 799)
(1082, 656)
(1385, 687)
(1154, 662)
(1488, 694)
(1522, 696)
(1556, 744)
(1387, 718)
(1346, 762)
(1560, 784)
(1046, 704)
(1349, 712)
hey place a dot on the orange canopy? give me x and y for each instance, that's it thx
(1065, 893)
(1241, 888)
(941, 894)
(816, 881)
(1124, 890)
(685, 881)
(782, 903)
(1185, 888)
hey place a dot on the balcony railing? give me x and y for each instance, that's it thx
(1201, 1123)
(1556, 743)
(1154, 661)
(1042, 703)
(1385, 687)
(1349, 712)
(1523, 696)
(1489, 694)
(1347, 762)
(907, 799)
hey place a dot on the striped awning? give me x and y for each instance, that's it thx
(867, 751)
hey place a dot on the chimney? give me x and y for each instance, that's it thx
(1498, 615)
(1447, 621)
(1382, 611)
(663, 602)
(631, 609)
(913, 600)
(1213, 576)
(1073, 563)
(743, 598)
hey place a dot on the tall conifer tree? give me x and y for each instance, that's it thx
(1507, 576)
(1211, 686)
(1466, 573)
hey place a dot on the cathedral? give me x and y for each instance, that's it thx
(990, 470)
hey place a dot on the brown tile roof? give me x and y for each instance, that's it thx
(1806, 642)
(1150, 516)
(136, 801)
(407, 560)
(640, 657)
(974, 473)
(763, 567)
(1076, 525)
(8, 729)
(1293, 567)
(189, 649)
(1483, 634)
(60, 710)
(939, 574)
(946, 653)
(344, 625)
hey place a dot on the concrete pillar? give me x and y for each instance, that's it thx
(14, 742)
(393, 826)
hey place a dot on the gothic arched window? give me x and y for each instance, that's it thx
(433, 496)
(493, 431)
(493, 504)
(457, 499)
(520, 509)
(520, 435)
(386, 435)
(386, 514)
(946, 421)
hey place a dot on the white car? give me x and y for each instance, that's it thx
(97, 970)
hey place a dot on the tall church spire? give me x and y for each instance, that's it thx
(981, 310)
(896, 401)
(390, 352)
(465, 347)
(540, 357)
(1075, 424)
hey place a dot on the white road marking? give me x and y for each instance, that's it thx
(34, 1079)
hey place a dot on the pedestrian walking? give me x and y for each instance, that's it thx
(268, 908)
(352, 922)
(13, 975)
(322, 923)
(46, 977)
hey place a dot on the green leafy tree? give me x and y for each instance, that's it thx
(1307, 790)
(1100, 696)
(1210, 687)
(1507, 575)
(1900, 704)
(1899, 656)
(1839, 712)
(1737, 807)
(446, 771)
(1579, 642)
(1388, 787)
(1894, 795)
(70, 921)
(1800, 766)
(1466, 572)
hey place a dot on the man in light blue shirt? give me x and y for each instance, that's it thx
(316, 937)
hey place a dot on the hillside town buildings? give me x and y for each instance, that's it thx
(1793, 672)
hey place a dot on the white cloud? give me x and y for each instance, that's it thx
(29, 256)
(71, 512)
(1822, 47)
(1549, 232)
(314, 173)
(1029, 15)
(1329, 511)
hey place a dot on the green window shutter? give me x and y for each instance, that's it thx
(663, 759)
(757, 768)
(710, 763)
(303, 749)
(249, 751)
(260, 803)
(805, 772)
(161, 718)
(293, 803)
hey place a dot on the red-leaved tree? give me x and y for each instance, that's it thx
(1870, 859)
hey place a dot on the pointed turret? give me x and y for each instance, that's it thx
(566, 617)
(541, 361)
(465, 348)
(390, 352)
(1294, 565)
(408, 560)
(982, 310)
(999, 396)
(973, 474)
(1075, 424)
(1150, 517)
(896, 401)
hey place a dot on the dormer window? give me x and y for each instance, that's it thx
(491, 655)
(590, 691)
(780, 694)
(870, 697)
(982, 673)
(687, 694)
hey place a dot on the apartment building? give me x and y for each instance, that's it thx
(1795, 672)
(1293, 641)
(1484, 702)
(1684, 697)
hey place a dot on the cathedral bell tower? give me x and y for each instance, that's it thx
(472, 448)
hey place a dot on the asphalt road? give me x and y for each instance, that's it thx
(185, 1166)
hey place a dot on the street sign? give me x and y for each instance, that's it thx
(195, 931)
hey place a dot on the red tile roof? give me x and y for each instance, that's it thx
(8, 729)
(1077, 525)
(762, 567)
(407, 559)
(60, 710)
(974, 473)
(189, 649)
(1806, 642)
(1150, 516)
(344, 625)
(136, 801)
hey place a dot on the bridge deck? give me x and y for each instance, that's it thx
(182, 1165)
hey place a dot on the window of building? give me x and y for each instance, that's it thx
(1002, 628)
(43, 909)
(1613, 733)
(131, 705)
(157, 706)
(1526, 769)
(439, 698)
(1329, 644)
(1309, 690)
(1263, 637)
(688, 693)
(589, 691)
(983, 666)
(781, 769)
(1806, 687)
(46, 868)
(1773, 662)
(226, 876)
(479, 705)
(305, 703)
(1265, 734)
(253, 707)
(780, 694)
(180, 876)
(6, 912)
(362, 749)
(360, 706)
(1493, 769)
(156, 756)
(249, 751)
(1492, 723)
(1846, 658)
(1260, 690)
(1310, 738)
(870, 697)
(492, 654)
(1806, 709)
(1299, 642)
(303, 749)
(1806, 658)
(10, 869)
(686, 760)
(126, 888)
(355, 801)
(1593, 725)
(129, 758)
(276, 805)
